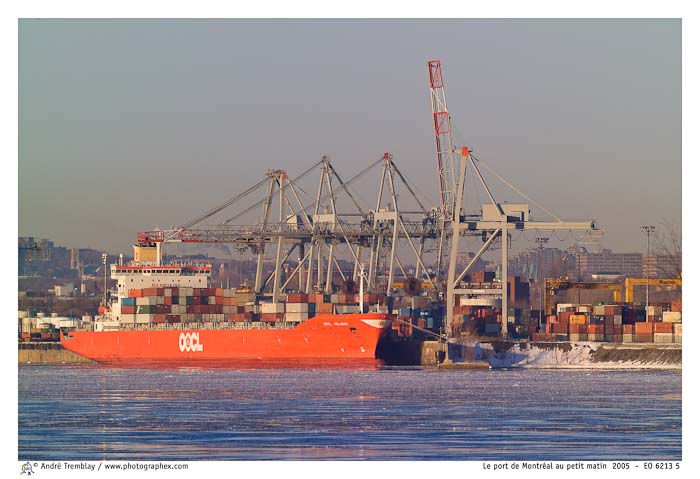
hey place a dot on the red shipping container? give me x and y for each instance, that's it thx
(564, 317)
(128, 309)
(643, 338)
(663, 327)
(617, 329)
(158, 318)
(172, 318)
(135, 293)
(628, 329)
(676, 306)
(560, 328)
(271, 317)
(175, 291)
(297, 297)
(596, 329)
(168, 300)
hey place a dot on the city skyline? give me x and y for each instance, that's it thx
(128, 125)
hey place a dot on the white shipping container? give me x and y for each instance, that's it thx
(68, 323)
(598, 310)
(128, 318)
(628, 338)
(583, 309)
(271, 308)
(617, 319)
(334, 298)
(297, 307)
(296, 317)
(143, 318)
(671, 317)
(160, 300)
(663, 337)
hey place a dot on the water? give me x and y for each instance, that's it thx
(93, 413)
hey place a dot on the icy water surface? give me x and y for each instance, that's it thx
(92, 413)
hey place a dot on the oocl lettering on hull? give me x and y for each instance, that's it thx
(189, 342)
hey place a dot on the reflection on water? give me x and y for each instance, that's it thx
(86, 412)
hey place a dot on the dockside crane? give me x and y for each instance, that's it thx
(496, 219)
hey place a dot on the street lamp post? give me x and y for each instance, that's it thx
(648, 229)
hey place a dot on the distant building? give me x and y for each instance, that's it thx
(662, 266)
(628, 264)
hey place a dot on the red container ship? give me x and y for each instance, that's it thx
(323, 340)
(164, 315)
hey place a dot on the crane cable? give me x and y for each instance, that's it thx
(274, 193)
(223, 205)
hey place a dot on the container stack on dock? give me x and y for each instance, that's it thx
(415, 311)
(613, 324)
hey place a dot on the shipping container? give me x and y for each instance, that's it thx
(297, 307)
(643, 328)
(663, 337)
(663, 328)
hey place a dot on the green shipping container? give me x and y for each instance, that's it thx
(146, 309)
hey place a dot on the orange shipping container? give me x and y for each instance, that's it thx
(644, 328)
(324, 308)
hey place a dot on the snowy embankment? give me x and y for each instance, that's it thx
(584, 355)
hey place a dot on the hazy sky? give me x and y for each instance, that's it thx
(128, 125)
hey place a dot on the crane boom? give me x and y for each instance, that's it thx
(443, 140)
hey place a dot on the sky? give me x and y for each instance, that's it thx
(125, 125)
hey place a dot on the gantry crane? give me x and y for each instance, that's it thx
(316, 229)
(496, 220)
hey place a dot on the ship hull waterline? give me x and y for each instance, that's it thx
(323, 341)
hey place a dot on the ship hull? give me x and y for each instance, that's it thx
(325, 340)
